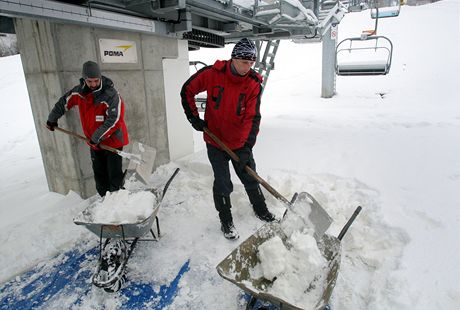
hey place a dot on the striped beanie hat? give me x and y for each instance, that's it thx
(245, 49)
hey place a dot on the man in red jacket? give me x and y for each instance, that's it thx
(102, 118)
(233, 115)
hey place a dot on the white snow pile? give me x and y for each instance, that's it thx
(296, 263)
(49, 230)
(272, 255)
(123, 207)
(293, 269)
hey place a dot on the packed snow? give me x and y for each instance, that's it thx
(386, 143)
(293, 270)
(121, 207)
(272, 255)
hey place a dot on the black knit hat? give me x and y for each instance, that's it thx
(245, 49)
(91, 70)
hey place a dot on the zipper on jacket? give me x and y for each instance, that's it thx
(240, 104)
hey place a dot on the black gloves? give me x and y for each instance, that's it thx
(245, 155)
(51, 125)
(198, 124)
(94, 145)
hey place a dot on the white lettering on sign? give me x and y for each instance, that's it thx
(118, 51)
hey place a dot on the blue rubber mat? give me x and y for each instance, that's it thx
(68, 277)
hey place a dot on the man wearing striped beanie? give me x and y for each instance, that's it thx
(233, 115)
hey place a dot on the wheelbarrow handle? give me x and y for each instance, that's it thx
(348, 224)
(169, 181)
(251, 172)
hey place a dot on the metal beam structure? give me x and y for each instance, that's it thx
(205, 23)
(79, 14)
(226, 19)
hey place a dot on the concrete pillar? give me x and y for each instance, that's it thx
(328, 63)
(52, 56)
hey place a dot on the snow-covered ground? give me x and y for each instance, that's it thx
(388, 143)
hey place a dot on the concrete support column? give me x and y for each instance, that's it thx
(328, 63)
(52, 55)
(46, 82)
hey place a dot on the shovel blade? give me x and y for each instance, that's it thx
(132, 157)
(143, 166)
(317, 216)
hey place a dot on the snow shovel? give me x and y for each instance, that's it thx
(251, 172)
(318, 216)
(143, 162)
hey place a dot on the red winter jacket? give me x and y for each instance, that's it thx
(232, 106)
(101, 112)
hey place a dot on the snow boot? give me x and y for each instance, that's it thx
(223, 206)
(257, 199)
(229, 230)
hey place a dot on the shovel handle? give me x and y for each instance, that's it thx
(76, 135)
(248, 169)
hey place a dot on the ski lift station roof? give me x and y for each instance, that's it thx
(205, 23)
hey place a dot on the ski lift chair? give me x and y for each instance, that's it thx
(365, 55)
(386, 8)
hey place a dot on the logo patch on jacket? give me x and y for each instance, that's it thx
(99, 118)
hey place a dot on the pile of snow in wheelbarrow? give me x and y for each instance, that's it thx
(122, 207)
(292, 265)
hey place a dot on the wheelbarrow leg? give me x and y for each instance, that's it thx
(251, 303)
(259, 304)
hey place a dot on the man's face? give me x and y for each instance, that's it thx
(93, 83)
(242, 66)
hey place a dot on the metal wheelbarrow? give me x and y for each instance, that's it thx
(237, 266)
(120, 241)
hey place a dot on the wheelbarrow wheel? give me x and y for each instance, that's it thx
(116, 286)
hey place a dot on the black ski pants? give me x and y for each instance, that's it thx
(108, 172)
(222, 182)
